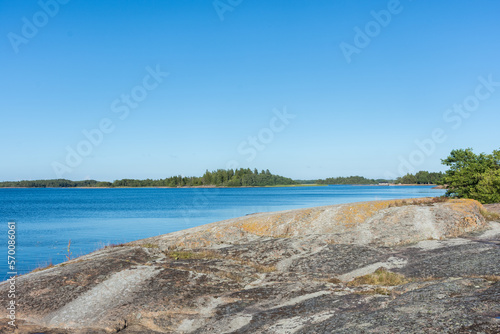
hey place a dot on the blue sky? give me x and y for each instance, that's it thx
(233, 66)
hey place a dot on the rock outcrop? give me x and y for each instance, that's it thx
(402, 266)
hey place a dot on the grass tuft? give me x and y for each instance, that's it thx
(150, 246)
(101, 246)
(381, 277)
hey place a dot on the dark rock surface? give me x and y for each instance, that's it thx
(256, 274)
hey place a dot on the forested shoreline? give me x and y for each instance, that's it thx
(243, 177)
(219, 178)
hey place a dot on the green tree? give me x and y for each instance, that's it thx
(471, 175)
(422, 177)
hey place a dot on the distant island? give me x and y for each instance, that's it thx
(220, 178)
(243, 177)
(421, 177)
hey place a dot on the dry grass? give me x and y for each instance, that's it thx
(114, 245)
(490, 278)
(440, 199)
(334, 280)
(44, 267)
(150, 245)
(101, 246)
(381, 277)
(488, 215)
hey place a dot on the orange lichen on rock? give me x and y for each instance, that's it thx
(280, 224)
(354, 214)
(468, 216)
(388, 222)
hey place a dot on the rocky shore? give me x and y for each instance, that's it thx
(400, 266)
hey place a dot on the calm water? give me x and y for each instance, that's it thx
(46, 219)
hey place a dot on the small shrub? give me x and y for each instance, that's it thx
(381, 277)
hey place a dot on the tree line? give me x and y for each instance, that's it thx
(347, 180)
(243, 177)
(220, 178)
(57, 183)
(422, 177)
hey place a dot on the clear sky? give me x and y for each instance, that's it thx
(307, 89)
